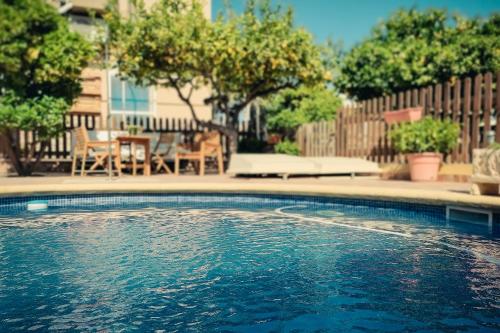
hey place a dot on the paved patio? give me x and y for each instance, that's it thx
(364, 181)
(361, 187)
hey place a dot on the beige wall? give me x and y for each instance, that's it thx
(163, 102)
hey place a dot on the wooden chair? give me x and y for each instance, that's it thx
(164, 146)
(206, 145)
(85, 148)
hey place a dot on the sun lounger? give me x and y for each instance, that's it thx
(286, 165)
(344, 165)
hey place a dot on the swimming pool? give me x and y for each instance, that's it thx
(244, 263)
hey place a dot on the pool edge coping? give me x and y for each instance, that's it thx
(431, 197)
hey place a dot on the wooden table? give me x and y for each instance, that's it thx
(135, 140)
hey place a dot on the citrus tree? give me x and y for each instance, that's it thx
(238, 57)
(414, 48)
(40, 65)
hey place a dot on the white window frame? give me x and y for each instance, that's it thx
(151, 96)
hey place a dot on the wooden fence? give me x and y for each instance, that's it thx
(317, 139)
(360, 130)
(59, 148)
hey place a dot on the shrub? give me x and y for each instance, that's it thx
(426, 135)
(415, 48)
(287, 147)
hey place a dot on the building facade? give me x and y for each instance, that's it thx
(125, 97)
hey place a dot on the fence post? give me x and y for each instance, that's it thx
(457, 90)
(497, 108)
(476, 109)
(465, 117)
(487, 106)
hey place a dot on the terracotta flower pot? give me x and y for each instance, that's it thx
(404, 115)
(424, 166)
(273, 139)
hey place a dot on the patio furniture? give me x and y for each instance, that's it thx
(206, 145)
(485, 171)
(164, 147)
(286, 165)
(134, 141)
(85, 148)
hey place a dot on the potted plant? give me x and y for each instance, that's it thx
(424, 143)
(134, 129)
(403, 115)
(274, 138)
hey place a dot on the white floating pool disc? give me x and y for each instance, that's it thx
(38, 205)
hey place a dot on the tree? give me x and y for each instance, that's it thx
(413, 49)
(40, 65)
(290, 108)
(239, 57)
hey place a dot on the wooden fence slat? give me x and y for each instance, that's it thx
(447, 100)
(372, 141)
(363, 135)
(407, 99)
(422, 97)
(414, 98)
(359, 132)
(465, 121)
(387, 150)
(400, 104)
(437, 101)
(457, 90)
(339, 135)
(476, 109)
(380, 129)
(428, 104)
(497, 109)
(487, 106)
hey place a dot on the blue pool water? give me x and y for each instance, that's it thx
(203, 263)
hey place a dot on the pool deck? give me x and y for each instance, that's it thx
(359, 187)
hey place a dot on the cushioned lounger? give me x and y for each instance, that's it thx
(285, 165)
(344, 165)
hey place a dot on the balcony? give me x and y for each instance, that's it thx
(86, 5)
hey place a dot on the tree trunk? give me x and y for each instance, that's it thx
(16, 162)
(15, 159)
(232, 136)
(26, 167)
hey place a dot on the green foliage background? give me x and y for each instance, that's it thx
(417, 48)
(40, 66)
(289, 109)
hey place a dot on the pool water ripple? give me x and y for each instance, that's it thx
(241, 269)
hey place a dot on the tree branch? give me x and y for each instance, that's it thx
(256, 93)
(185, 99)
(39, 155)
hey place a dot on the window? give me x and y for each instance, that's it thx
(85, 25)
(127, 97)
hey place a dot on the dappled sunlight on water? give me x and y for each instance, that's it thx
(186, 268)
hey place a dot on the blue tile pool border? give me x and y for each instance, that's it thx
(82, 200)
(12, 204)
